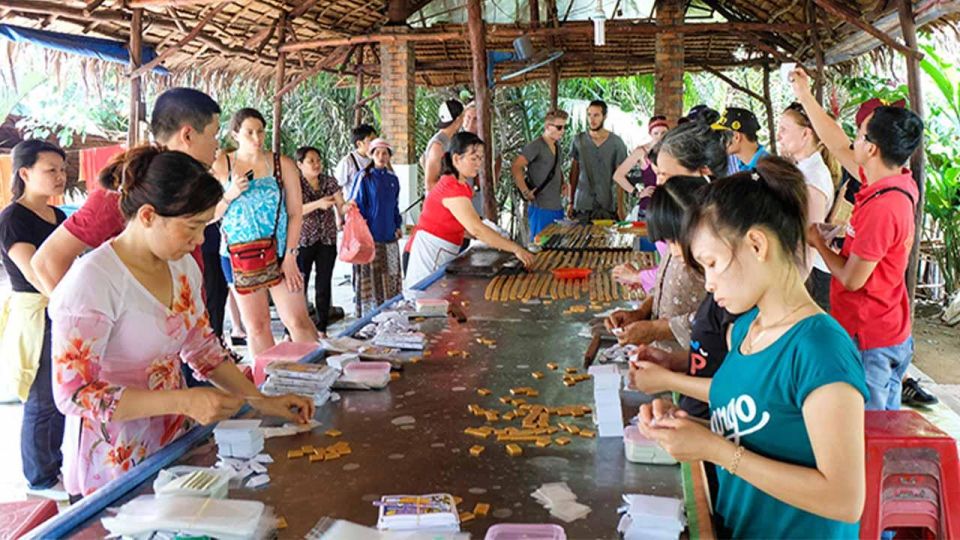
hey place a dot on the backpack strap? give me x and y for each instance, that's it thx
(880, 192)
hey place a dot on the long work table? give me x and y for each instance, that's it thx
(409, 438)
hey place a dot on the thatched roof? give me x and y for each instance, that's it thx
(240, 36)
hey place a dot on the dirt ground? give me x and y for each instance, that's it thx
(937, 349)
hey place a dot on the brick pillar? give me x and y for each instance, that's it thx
(668, 64)
(397, 93)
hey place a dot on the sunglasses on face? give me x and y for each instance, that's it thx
(559, 127)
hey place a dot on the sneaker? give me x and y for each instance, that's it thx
(913, 394)
(55, 492)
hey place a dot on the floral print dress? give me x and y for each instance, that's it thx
(109, 334)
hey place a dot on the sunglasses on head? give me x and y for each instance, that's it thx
(798, 108)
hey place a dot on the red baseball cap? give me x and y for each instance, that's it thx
(872, 104)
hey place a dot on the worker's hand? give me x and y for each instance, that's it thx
(683, 438)
(292, 407)
(648, 377)
(529, 195)
(637, 333)
(621, 318)
(291, 274)
(648, 353)
(209, 405)
(525, 257)
(626, 274)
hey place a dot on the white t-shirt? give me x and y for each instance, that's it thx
(817, 175)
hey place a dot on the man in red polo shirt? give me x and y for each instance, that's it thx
(183, 119)
(868, 295)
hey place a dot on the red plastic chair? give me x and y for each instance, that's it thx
(913, 477)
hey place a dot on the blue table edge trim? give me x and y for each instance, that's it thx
(78, 514)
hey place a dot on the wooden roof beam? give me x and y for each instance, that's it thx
(515, 31)
(167, 52)
(848, 15)
(733, 84)
(398, 11)
(137, 4)
(323, 65)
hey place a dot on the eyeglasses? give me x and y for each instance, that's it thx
(558, 127)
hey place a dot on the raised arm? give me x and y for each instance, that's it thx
(827, 129)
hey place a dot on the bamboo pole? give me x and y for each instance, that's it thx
(918, 160)
(768, 102)
(278, 84)
(481, 89)
(136, 38)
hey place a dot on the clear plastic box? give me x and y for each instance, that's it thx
(526, 531)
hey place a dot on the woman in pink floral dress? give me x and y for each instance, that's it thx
(129, 313)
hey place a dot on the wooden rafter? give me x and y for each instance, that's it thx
(848, 15)
(733, 84)
(92, 5)
(137, 4)
(322, 65)
(166, 53)
(632, 28)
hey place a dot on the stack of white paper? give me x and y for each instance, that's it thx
(561, 502)
(607, 412)
(238, 438)
(216, 518)
(652, 518)
(311, 380)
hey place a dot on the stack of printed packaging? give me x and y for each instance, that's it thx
(607, 413)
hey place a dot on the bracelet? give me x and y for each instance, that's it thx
(736, 461)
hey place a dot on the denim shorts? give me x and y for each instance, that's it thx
(885, 367)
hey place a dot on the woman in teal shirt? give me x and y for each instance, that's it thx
(787, 405)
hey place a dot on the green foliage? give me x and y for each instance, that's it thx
(942, 139)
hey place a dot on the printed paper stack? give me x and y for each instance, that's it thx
(434, 512)
(311, 380)
(607, 413)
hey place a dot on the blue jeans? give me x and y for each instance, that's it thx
(885, 367)
(41, 432)
(539, 219)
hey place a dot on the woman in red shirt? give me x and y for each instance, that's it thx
(448, 214)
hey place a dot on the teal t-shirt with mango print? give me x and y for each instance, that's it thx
(756, 400)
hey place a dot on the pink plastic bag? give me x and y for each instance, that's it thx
(357, 246)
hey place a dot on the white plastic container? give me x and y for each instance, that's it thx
(371, 374)
(640, 449)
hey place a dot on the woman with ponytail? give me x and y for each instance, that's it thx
(128, 314)
(799, 143)
(448, 214)
(39, 172)
(787, 404)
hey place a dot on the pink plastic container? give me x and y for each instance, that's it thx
(286, 351)
(373, 374)
(526, 531)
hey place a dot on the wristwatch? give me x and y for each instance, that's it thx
(293, 251)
